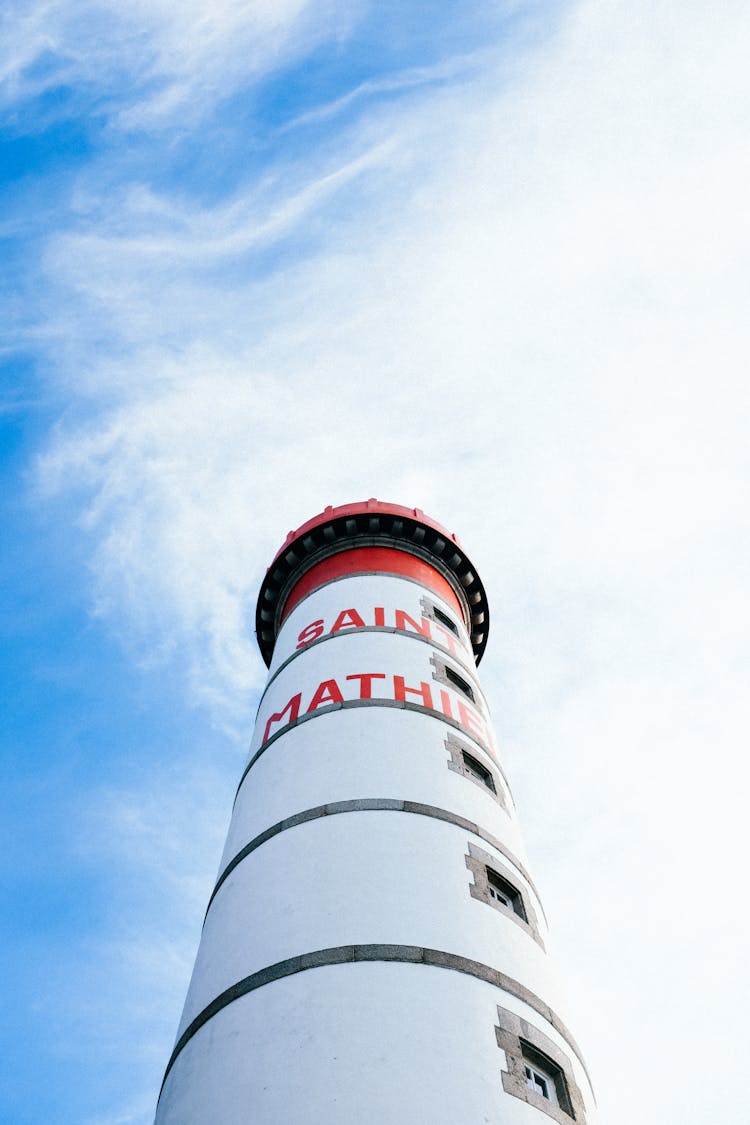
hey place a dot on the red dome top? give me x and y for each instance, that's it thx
(369, 523)
(364, 507)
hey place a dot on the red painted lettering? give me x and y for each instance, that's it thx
(445, 703)
(448, 639)
(400, 691)
(471, 720)
(402, 618)
(365, 682)
(311, 632)
(292, 707)
(379, 615)
(327, 692)
(347, 617)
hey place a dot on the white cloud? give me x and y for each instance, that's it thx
(530, 321)
(174, 61)
(544, 307)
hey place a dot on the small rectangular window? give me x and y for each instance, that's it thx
(504, 892)
(444, 619)
(537, 1071)
(459, 682)
(476, 770)
(545, 1077)
(535, 1081)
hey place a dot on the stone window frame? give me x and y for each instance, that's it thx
(478, 862)
(458, 750)
(459, 682)
(435, 612)
(479, 772)
(524, 1044)
(440, 675)
(501, 890)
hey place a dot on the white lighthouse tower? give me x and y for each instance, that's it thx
(375, 949)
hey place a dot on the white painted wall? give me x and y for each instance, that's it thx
(345, 755)
(357, 652)
(364, 593)
(366, 1043)
(359, 878)
(375, 1042)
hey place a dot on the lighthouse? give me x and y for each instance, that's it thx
(375, 948)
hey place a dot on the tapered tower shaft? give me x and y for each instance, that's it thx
(375, 948)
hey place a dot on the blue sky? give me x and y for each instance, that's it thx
(487, 259)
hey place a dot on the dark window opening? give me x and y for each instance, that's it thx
(459, 682)
(505, 893)
(546, 1078)
(477, 770)
(444, 619)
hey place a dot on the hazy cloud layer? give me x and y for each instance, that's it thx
(518, 300)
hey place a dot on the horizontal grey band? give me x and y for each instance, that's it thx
(349, 630)
(371, 804)
(344, 954)
(350, 703)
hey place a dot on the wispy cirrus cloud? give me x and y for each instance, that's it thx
(517, 299)
(152, 63)
(569, 289)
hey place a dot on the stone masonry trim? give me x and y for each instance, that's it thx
(348, 704)
(457, 749)
(345, 954)
(371, 804)
(477, 861)
(513, 1031)
(352, 630)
